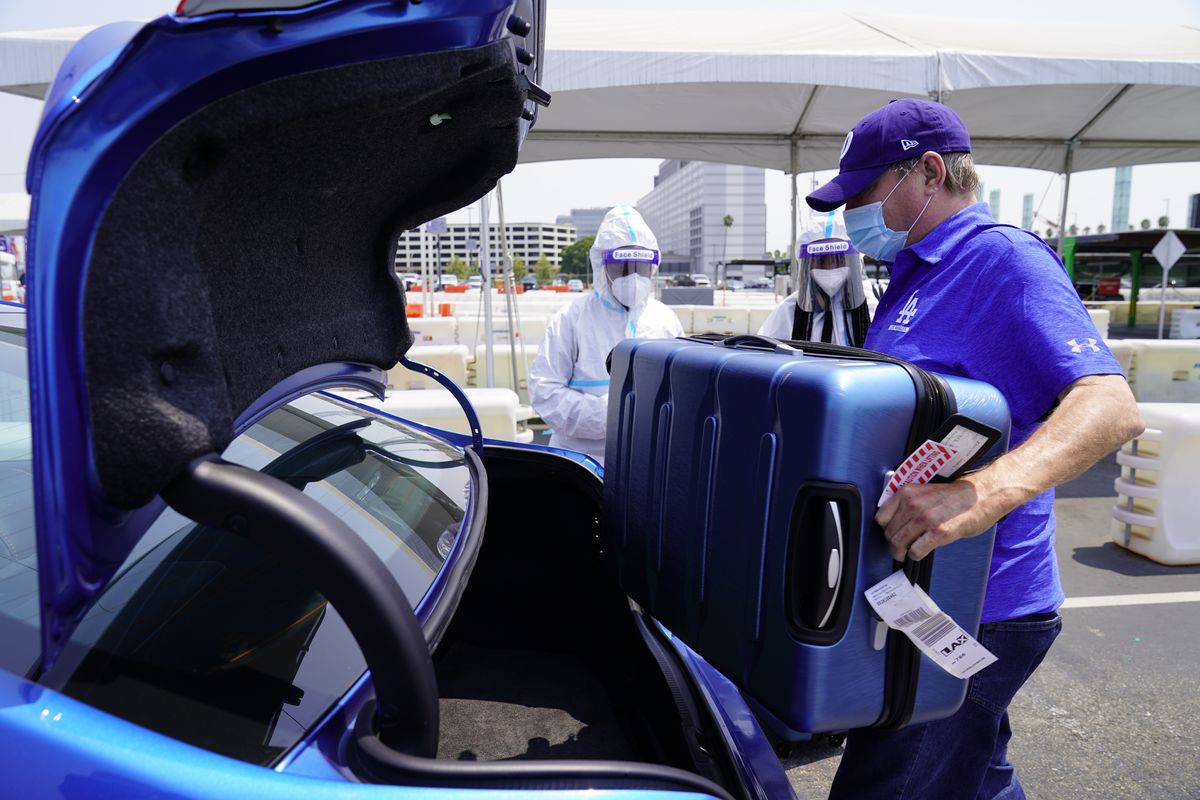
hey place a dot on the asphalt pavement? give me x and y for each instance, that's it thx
(1114, 710)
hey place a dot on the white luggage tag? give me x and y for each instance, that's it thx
(907, 608)
(950, 452)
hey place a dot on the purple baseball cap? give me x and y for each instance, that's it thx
(901, 130)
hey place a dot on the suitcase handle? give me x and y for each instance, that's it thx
(750, 341)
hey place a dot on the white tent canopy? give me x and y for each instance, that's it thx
(780, 89)
(29, 60)
(14, 212)
(764, 88)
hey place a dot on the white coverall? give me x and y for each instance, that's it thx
(568, 381)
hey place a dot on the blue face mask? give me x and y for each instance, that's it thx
(871, 235)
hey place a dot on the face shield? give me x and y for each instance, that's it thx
(620, 262)
(827, 261)
(827, 254)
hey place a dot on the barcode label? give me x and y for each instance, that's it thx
(909, 610)
(916, 615)
(932, 630)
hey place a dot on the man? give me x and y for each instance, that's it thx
(829, 304)
(971, 297)
(568, 380)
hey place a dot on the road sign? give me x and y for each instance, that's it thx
(1167, 251)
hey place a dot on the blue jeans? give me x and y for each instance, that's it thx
(961, 757)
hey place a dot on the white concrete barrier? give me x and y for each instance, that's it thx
(1122, 350)
(1185, 323)
(502, 356)
(684, 313)
(530, 329)
(501, 416)
(758, 316)
(720, 319)
(433, 330)
(1166, 371)
(1158, 504)
(1100, 318)
(449, 359)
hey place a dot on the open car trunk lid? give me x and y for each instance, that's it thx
(215, 204)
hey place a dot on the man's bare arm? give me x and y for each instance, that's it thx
(1095, 415)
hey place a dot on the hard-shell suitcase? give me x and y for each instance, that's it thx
(741, 482)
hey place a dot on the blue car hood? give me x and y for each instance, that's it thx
(216, 202)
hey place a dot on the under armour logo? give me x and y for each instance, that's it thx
(1077, 347)
(909, 311)
(908, 144)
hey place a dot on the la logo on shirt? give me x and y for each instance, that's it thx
(905, 317)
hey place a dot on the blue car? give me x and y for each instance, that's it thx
(217, 580)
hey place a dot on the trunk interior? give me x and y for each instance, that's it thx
(545, 658)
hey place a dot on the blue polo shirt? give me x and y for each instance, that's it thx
(992, 302)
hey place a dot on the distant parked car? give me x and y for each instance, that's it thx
(575, 285)
(701, 279)
(448, 280)
(530, 283)
(475, 282)
(733, 284)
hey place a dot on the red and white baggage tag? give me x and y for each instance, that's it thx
(920, 467)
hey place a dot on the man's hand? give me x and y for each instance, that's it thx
(1096, 414)
(919, 518)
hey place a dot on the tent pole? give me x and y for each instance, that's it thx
(792, 268)
(510, 289)
(485, 269)
(1062, 217)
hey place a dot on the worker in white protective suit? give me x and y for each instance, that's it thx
(829, 278)
(568, 380)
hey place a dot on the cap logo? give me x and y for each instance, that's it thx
(846, 145)
(908, 144)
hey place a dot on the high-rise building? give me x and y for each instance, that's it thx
(439, 244)
(994, 204)
(586, 220)
(1122, 183)
(687, 210)
(1027, 212)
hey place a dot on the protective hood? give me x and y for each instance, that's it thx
(216, 201)
(622, 226)
(823, 236)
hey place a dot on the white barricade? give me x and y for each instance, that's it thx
(502, 356)
(1122, 350)
(1185, 323)
(449, 359)
(531, 331)
(1157, 502)
(758, 316)
(684, 313)
(501, 416)
(433, 330)
(720, 319)
(1100, 318)
(1166, 371)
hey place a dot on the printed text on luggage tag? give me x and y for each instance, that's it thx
(912, 612)
(920, 467)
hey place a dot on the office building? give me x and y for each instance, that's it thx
(441, 242)
(1122, 183)
(687, 207)
(586, 220)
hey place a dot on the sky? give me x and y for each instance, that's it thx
(541, 192)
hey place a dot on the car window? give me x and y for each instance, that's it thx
(212, 640)
(18, 544)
